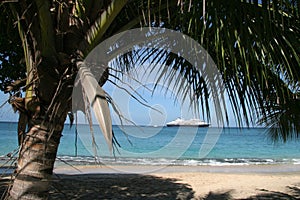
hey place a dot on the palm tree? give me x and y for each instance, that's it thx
(256, 47)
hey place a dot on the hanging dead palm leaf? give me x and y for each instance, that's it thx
(97, 97)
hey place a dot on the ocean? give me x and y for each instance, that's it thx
(178, 146)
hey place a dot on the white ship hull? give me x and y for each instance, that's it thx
(191, 122)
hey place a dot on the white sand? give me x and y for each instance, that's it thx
(240, 182)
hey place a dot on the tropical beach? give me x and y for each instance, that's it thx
(105, 182)
(174, 182)
(241, 165)
(79, 75)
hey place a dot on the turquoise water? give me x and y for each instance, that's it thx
(166, 146)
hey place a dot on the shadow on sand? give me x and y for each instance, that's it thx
(134, 186)
(292, 193)
(118, 186)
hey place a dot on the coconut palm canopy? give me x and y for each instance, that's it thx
(255, 45)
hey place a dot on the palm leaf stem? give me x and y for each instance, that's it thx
(98, 29)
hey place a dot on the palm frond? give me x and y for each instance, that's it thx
(159, 52)
(98, 100)
(256, 48)
(102, 23)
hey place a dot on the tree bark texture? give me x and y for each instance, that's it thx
(36, 160)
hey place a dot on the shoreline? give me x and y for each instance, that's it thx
(70, 168)
(153, 169)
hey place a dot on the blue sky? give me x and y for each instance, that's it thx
(6, 112)
(166, 109)
(138, 112)
(133, 110)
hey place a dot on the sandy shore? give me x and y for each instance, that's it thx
(177, 182)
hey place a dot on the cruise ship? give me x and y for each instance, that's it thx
(190, 122)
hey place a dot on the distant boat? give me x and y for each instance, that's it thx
(190, 122)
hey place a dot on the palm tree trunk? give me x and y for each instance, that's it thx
(36, 160)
